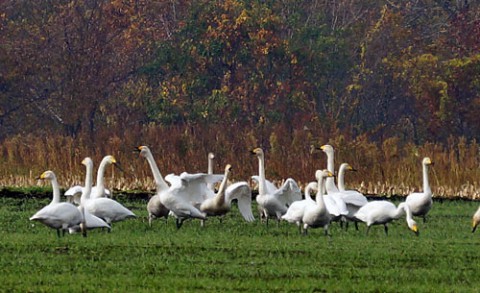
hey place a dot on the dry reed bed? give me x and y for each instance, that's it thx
(388, 168)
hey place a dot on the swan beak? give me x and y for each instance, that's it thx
(415, 230)
(474, 226)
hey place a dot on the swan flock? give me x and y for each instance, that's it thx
(193, 196)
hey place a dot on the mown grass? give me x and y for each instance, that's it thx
(236, 256)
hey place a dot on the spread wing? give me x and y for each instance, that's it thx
(243, 194)
(289, 192)
(271, 188)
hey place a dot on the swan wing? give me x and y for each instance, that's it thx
(331, 205)
(173, 179)
(296, 210)
(195, 186)
(289, 192)
(242, 192)
(353, 197)
(271, 188)
(74, 191)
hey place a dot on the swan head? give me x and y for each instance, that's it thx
(110, 159)
(211, 156)
(258, 152)
(347, 167)
(412, 225)
(320, 174)
(47, 175)
(87, 162)
(326, 148)
(143, 150)
(228, 168)
(427, 161)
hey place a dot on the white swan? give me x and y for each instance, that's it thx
(106, 208)
(353, 199)
(330, 181)
(155, 207)
(272, 201)
(99, 190)
(382, 212)
(58, 215)
(317, 215)
(221, 203)
(420, 203)
(91, 221)
(476, 220)
(295, 211)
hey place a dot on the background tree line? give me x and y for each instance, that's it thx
(269, 73)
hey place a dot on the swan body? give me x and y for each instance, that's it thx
(220, 204)
(317, 215)
(91, 221)
(420, 203)
(106, 208)
(382, 212)
(58, 215)
(155, 208)
(272, 201)
(295, 211)
(476, 220)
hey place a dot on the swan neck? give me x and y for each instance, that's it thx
(320, 192)
(56, 190)
(261, 172)
(100, 175)
(210, 172)
(157, 176)
(88, 185)
(426, 185)
(401, 209)
(330, 181)
(307, 193)
(221, 189)
(341, 178)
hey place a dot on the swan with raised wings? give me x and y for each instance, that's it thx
(220, 204)
(420, 203)
(273, 202)
(58, 215)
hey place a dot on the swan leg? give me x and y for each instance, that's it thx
(356, 225)
(385, 227)
(326, 232)
(424, 219)
(202, 223)
(368, 229)
(474, 228)
(150, 220)
(179, 223)
(58, 233)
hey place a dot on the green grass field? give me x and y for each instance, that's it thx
(236, 256)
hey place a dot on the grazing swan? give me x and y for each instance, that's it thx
(317, 215)
(476, 220)
(353, 199)
(220, 204)
(272, 201)
(58, 215)
(295, 211)
(91, 221)
(155, 207)
(382, 212)
(106, 208)
(99, 190)
(420, 203)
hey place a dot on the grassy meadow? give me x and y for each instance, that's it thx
(233, 255)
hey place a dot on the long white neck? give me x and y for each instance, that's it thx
(401, 210)
(330, 181)
(321, 192)
(341, 177)
(157, 176)
(262, 185)
(88, 184)
(221, 190)
(100, 176)
(426, 185)
(210, 171)
(56, 190)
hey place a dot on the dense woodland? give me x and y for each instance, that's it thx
(384, 82)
